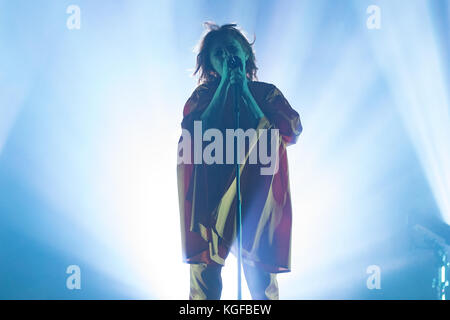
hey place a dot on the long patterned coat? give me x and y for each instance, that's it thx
(207, 192)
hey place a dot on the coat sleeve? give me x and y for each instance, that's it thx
(194, 107)
(280, 113)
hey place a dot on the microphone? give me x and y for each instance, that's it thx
(234, 62)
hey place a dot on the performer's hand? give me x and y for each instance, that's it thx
(225, 69)
(234, 76)
(239, 78)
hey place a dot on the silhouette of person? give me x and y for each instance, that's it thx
(207, 191)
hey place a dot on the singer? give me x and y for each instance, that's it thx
(207, 192)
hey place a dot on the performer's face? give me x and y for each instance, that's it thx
(224, 47)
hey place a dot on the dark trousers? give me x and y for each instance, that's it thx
(206, 282)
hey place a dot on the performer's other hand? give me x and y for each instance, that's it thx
(234, 76)
(225, 75)
(238, 77)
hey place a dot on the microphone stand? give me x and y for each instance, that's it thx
(235, 62)
(237, 96)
